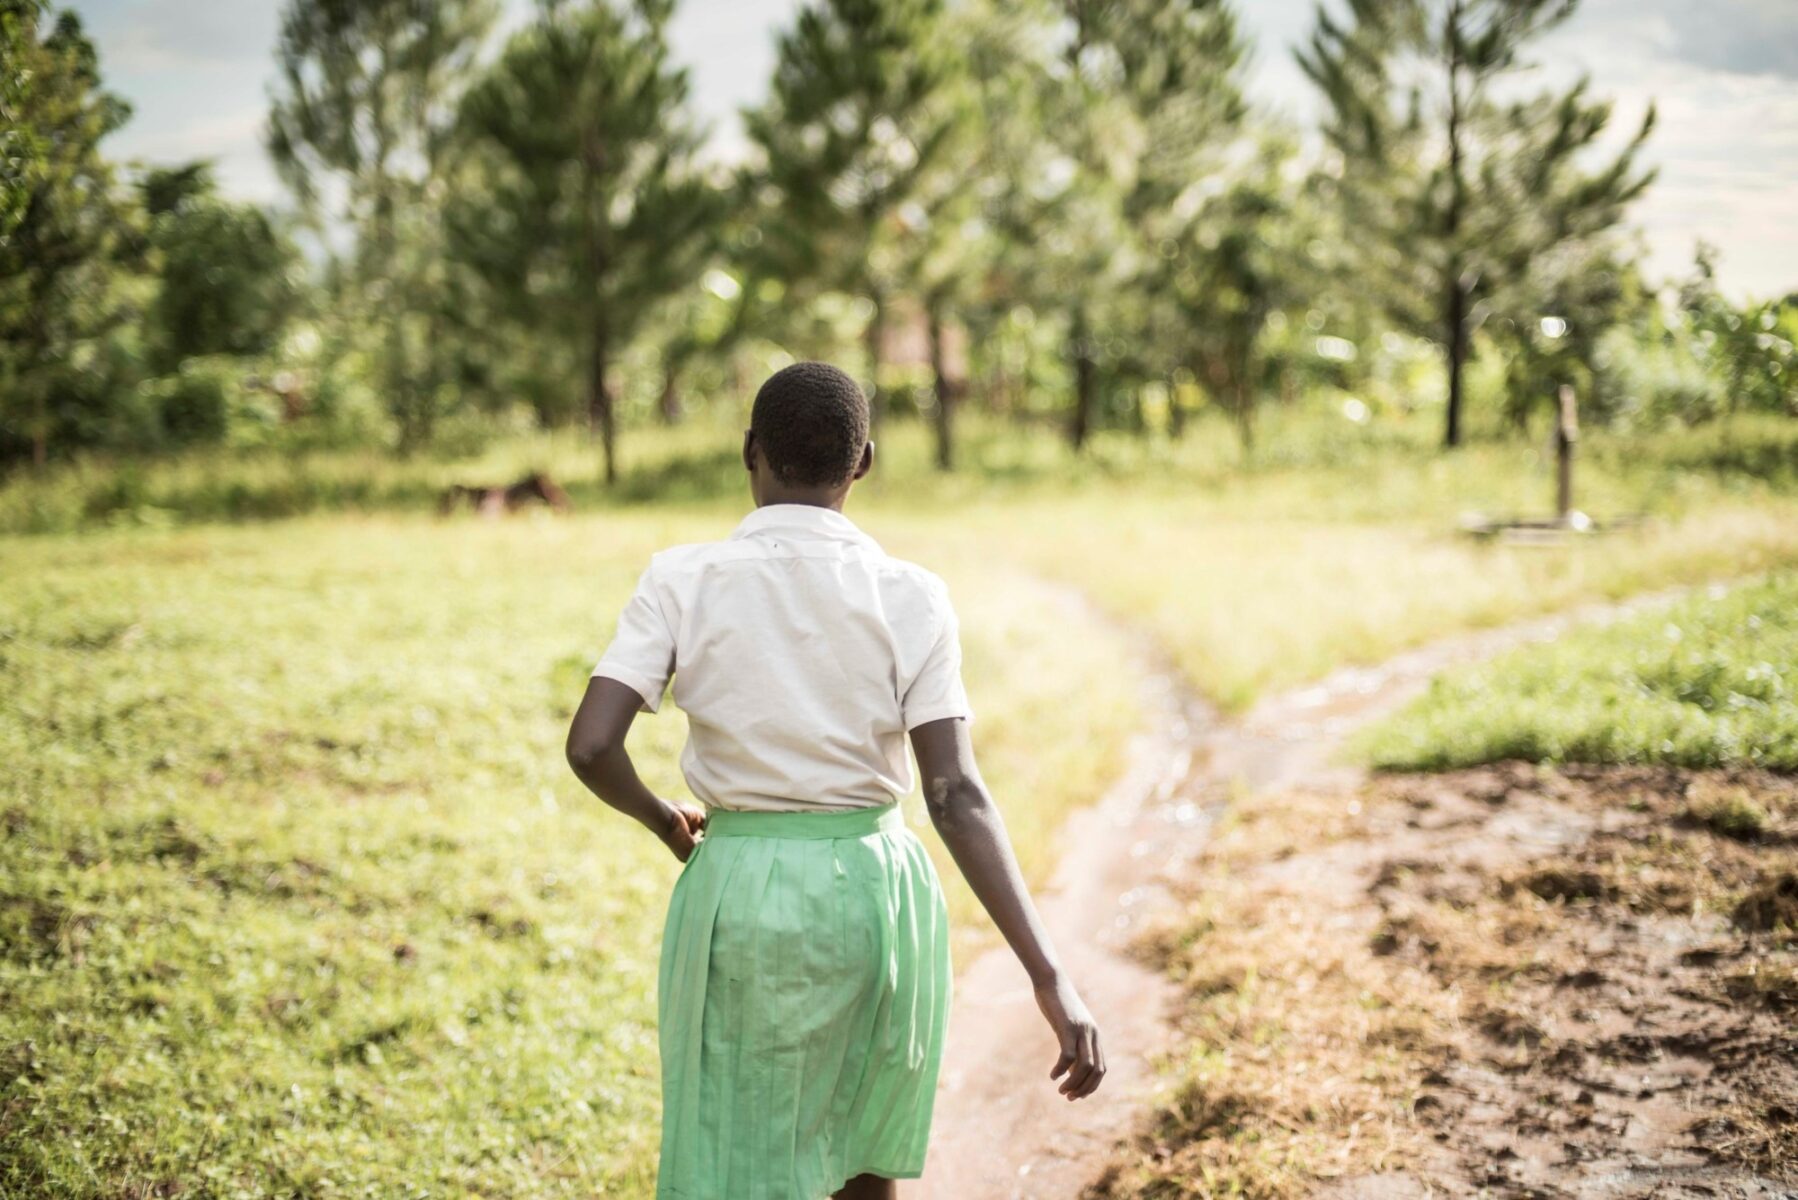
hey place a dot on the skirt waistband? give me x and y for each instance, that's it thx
(837, 823)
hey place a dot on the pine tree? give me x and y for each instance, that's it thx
(852, 128)
(364, 102)
(1238, 261)
(1450, 191)
(596, 212)
(1140, 106)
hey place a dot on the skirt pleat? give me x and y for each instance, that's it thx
(803, 1000)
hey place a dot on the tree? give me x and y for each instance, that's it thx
(1236, 264)
(365, 101)
(19, 144)
(68, 230)
(1450, 190)
(1552, 334)
(1745, 347)
(852, 126)
(597, 212)
(1139, 107)
(225, 273)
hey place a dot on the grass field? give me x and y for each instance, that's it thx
(298, 897)
(1712, 682)
(297, 893)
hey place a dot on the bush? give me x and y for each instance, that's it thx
(194, 404)
(1653, 382)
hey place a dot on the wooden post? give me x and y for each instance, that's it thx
(1566, 434)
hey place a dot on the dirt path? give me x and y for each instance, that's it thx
(1001, 1130)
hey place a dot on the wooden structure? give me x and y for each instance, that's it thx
(1568, 520)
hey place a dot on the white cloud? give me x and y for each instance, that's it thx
(1724, 78)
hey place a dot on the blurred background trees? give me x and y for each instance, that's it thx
(69, 236)
(1456, 191)
(591, 211)
(1041, 210)
(361, 126)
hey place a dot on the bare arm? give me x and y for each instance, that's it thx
(596, 753)
(972, 828)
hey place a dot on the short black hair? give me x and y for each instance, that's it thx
(811, 421)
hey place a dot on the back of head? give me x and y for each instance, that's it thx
(811, 421)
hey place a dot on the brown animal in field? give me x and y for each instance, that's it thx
(535, 488)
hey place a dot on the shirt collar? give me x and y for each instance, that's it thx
(810, 521)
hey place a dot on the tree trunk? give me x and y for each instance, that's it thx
(945, 398)
(1457, 293)
(668, 405)
(601, 418)
(1245, 414)
(40, 430)
(1084, 368)
(871, 341)
(1457, 359)
(402, 401)
(1566, 436)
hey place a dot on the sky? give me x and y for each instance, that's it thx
(1724, 75)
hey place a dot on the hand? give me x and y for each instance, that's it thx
(1081, 1055)
(681, 833)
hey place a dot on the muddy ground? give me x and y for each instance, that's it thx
(1508, 981)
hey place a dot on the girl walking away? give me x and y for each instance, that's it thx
(804, 984)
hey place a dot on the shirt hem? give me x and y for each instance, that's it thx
(924, 716)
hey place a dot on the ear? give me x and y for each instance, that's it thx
(749, 450)
(867, 462)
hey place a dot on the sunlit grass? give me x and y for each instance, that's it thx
(1711, 682)
(296, 892)
(1310, 462)
(1247, 604)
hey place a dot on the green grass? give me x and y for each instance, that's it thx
(1271, 577)
(1316, 462)
(1712, 682)
(297, 896)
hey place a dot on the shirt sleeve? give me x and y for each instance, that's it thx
(641, 653)
(936, 691)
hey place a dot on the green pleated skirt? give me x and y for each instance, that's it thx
(803, 1000)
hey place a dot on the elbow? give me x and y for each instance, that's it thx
(954, 798)
(585, 754)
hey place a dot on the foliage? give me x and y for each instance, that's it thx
(226, 276)
(20, 144)
(1043, 210)
(1707, 683)
(1750, 349)
(1456, 200)
(362, 101)
(860, 111)
(67, 234)
(1140, 104)
(594, 211)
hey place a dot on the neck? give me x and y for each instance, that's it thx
(831, 498)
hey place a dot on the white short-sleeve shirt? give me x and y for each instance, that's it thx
(802, 654)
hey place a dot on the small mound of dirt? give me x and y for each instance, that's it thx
(1560, 883)
(1773, 986)
(1772, 905)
